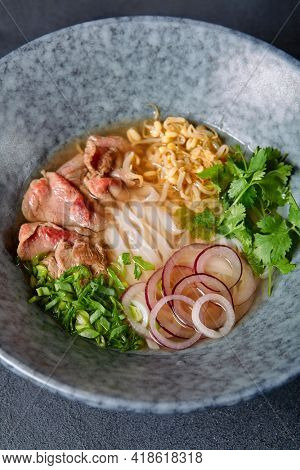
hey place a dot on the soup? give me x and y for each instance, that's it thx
(156, 236)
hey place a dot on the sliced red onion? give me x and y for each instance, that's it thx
(169, 323)
(151, 288)
(165, 317)
(219, 269)
(246, 286)
(168, 343)
(196, 315)
(242, 309)
(178, 273)
(152, 344)
(203, 284)
(183, 257)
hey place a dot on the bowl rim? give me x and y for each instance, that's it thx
(118, 403)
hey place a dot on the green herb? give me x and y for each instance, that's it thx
(86, 306)
(141, 265)
(220, 176)
(233, 220)
(124, 260)
(137, 271)
(294, 215)
(116, 282)
(201, 225)
(251, 194)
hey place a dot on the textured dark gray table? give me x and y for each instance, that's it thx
(33, 418)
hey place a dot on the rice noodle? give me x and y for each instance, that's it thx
(135, 240)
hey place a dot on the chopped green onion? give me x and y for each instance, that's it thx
(33, 281)
(43, 291)
(42, 271)
(82, 317)
(117, 331)
(89, 333)
(135, 314)
(105, 323)
(33, 299)
(125, 258)
(84, 305)
(137, 271)
(64, 286)
(95, 316)
(116, 281)
(52, 303)
(143, 264)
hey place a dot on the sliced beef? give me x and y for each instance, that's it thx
(64, 248)
(54, 199)
(74, 170)
(37, 238)
(100, 153)
(51, 264)
(103, 188)
(83, 252)
(88, 171)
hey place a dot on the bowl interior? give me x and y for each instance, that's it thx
(108, 71)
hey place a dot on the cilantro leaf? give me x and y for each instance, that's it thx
(285, 266)
(219, 174)
(238, 156)
(237, 187)
(274, 185)
(274, 242)
(233, 219)
(257, 176)
(211, 173)
(274, 157)
(234, 169)
(205, 219)
(249, 196)
(203, 225)
(294, 213)
(257, 161)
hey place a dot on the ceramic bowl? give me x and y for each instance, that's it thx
(107, 71)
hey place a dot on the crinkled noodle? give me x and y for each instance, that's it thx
(169, 155)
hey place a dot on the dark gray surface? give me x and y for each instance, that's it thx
(33, 418)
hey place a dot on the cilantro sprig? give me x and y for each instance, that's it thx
(201, 225)
(251, 192)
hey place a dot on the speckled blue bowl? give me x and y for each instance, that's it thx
(97, 73)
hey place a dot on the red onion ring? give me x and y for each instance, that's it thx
(221, 251)
(165, 317)
(158, 336)
(230, 316)
(185, 256)
(246, 286)
(206, 284)
(242, 309)
(151, 288)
